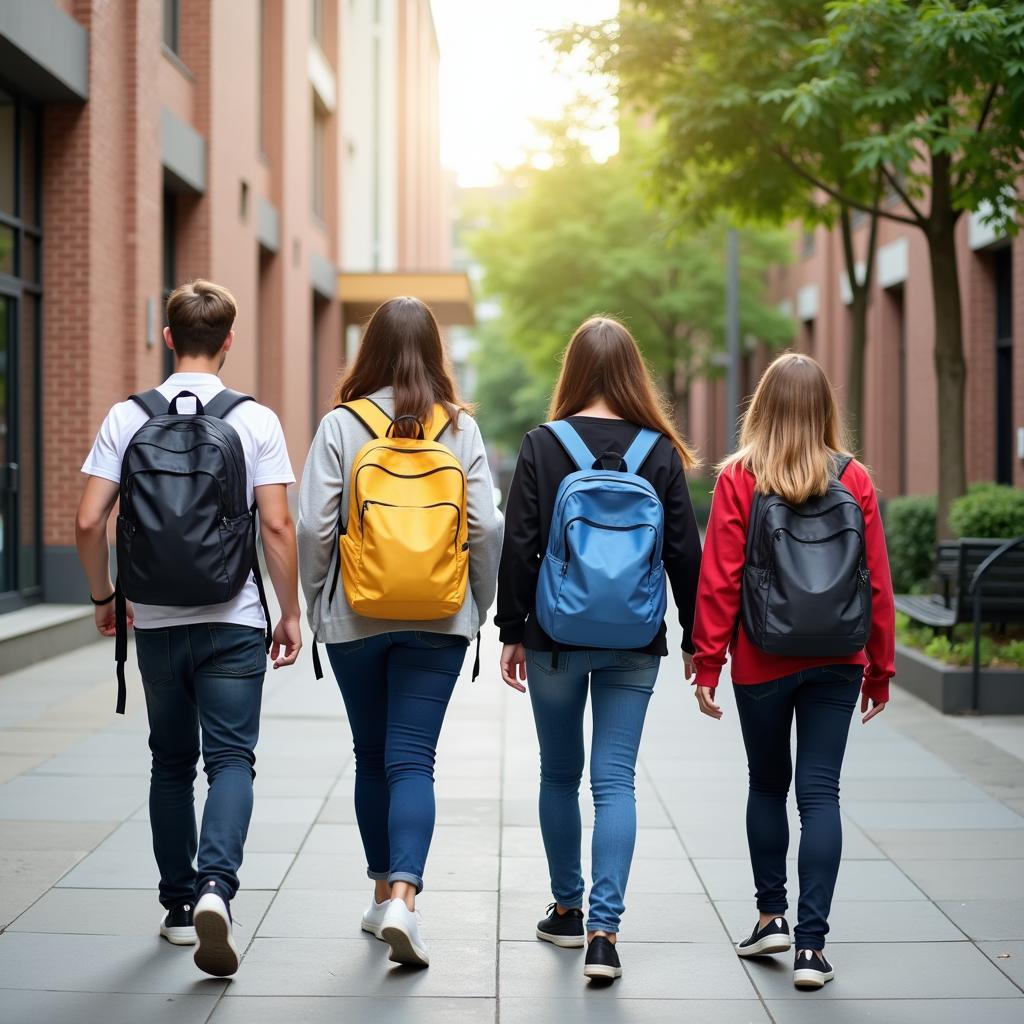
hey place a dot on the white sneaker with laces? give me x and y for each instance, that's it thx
(373, 917)
(216, 953)
(400, 929)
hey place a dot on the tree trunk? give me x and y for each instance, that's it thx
(950, 370)
(855, 369)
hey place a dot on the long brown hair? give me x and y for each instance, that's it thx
(791, 431)
(603, 361)
(402, 348)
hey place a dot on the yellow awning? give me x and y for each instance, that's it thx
(448, 293)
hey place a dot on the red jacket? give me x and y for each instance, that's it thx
(717, 627)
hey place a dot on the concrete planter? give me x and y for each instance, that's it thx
(948, 687)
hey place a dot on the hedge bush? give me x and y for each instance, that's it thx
(910, 537)
(988, 510)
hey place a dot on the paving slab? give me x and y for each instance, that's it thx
(23, 1007)
(950, 844)
(890, 970)
(26, 874)
(335, 1009)
(651, 970)
(968, 880)
(124, 912)
(599, 1010)
(935, 814)
(987, 919)
(54, 835)
(1008, 957)
(99, 963)
(898, 1011)
(531, 873)
(359, 967)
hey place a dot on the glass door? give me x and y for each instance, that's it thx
(8, 462)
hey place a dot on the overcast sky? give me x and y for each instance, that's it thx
(497, 72)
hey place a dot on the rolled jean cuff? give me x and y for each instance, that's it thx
(772, 907)
(574, 902)
(405, 876)
(803, 942)
(596, 925)
(377, 876)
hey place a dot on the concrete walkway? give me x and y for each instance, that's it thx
(928, 924)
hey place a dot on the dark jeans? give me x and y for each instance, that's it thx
(207, 677)
(396, 689)
(822, 699)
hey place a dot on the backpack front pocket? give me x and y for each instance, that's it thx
(410, 565)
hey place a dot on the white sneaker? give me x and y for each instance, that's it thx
(373, 917)
(216, 953)
(176, 925)
(400, 929)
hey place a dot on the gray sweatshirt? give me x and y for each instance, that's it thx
(324, 495)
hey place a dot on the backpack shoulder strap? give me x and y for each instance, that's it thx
(643, 444)
(224, 401)
(151, 401)
(438, 424)
(571, 441)
(842, 465)
(370, 414)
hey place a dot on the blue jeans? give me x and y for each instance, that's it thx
(396, 688)
(208, 677)
(620, 685)
(822, 699)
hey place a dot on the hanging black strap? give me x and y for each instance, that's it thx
(120, 645)
(318, 669)
(152, 402)
(258, 577)
(476, 661)
(224, 401)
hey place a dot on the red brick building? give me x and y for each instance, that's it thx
(900, 393)
(147, 142)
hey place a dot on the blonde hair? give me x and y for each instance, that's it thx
(604, 361)
(791, 432)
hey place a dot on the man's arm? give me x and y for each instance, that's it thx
(278, 533)
(94, 510)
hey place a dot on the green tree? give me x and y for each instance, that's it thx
(924, 100)
(580, 238)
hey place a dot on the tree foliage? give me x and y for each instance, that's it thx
(924, 99)
(582, 238)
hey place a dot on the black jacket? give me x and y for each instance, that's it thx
(542, 465)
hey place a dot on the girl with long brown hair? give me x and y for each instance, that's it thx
(396, 674)
(792, 448)
(606, 396)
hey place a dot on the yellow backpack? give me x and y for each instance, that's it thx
(405, 552)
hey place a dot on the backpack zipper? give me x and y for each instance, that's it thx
(437, 504)
(603, 526)
(409, 476)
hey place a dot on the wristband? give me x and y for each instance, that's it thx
(106, 600)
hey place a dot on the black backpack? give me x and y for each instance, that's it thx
(806, 586)
(185, 532)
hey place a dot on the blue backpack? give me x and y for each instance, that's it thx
(602, 581)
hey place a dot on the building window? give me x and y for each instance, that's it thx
(20, 352)
(172, 25)
(1003, 260)
(319, 183)
(807, 244)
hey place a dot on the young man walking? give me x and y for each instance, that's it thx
(202, 663)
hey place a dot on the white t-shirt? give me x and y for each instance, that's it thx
(266, 462)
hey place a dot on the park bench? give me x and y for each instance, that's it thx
(957, 563)
(987, 581)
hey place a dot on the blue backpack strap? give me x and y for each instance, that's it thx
(573, 444)
(636, 454)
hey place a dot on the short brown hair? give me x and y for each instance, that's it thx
(200, 315)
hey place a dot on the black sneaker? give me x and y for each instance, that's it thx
(810, 970)
(565, 930)
(602, 959)
(772, 938)
(177, 927)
